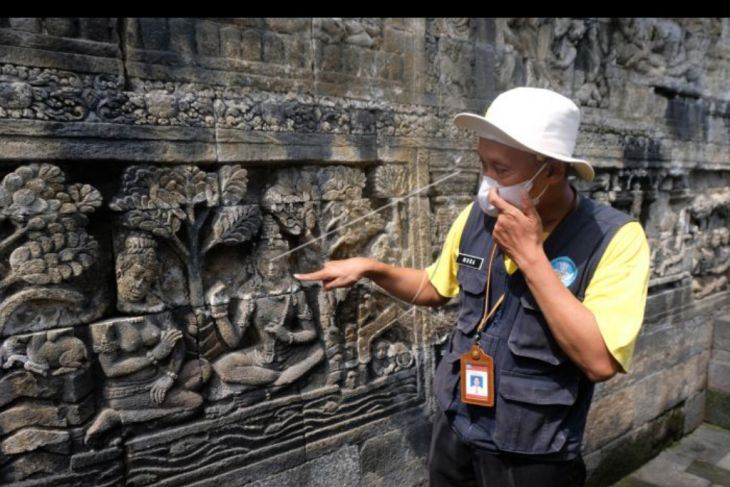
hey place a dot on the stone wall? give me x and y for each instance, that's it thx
(718, 379)
(162, 178)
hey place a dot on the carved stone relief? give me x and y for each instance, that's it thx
(207, 315)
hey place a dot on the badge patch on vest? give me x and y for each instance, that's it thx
(566, 269)
(469, 260)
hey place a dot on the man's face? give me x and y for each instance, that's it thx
(509, 166)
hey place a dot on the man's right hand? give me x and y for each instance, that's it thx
(406, 284)
(339, 273)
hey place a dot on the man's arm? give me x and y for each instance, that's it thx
(405, 283)
(433, 286)
(572, 324)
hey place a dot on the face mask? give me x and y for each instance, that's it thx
(508, 193)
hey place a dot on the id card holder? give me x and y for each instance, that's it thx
(477, 377)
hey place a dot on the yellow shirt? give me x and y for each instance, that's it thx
(616, 294)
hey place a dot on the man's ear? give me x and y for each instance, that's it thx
(556, 172)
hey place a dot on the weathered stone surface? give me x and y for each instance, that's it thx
(331, 470)
(699, 459)
(30, 439)
(396, 458)
(721, 339)
(629, 451)
(694, 413)
(29, 413)
(718, 408)
(719, 375)
(610, 417)
(666, 472)
(664, 390)
(37, 463)
(718, 381)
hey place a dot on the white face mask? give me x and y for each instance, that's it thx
(508, 193)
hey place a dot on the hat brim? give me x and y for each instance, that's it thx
(488, 130)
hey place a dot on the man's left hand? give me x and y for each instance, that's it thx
(517, 232)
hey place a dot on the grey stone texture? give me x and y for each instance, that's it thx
(700, 459)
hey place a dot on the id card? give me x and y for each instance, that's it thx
(477, 377)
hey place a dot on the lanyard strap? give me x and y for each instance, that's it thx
(488, 315)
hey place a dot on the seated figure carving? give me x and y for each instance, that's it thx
(273, 302)
(144, 378)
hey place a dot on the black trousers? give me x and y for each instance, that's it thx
(452, 463)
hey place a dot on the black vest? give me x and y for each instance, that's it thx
(542, 398)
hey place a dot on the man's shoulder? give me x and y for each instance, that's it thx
(632, 229)
(465, 211)
(629, 239)
(627, 249)
(608, 215)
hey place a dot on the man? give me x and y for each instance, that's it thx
(552, 288)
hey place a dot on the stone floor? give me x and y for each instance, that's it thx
(700, 459)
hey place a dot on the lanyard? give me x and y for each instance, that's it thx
(489, 314)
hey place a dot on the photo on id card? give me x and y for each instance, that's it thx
(476, 381)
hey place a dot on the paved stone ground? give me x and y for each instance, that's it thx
(700, 459)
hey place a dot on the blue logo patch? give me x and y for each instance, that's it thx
(566, 269)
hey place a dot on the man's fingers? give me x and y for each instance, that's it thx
(319, 275)
(332, 275)
(330, 284)
(497, 200)
(339, 282)
(500, 203)
(527, 205)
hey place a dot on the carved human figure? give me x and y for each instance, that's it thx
(400, 355)
(333, 339)
(351, 379)
(275, 304)
(382, 363)
(351, 357)
(632, 39)
(210, 333)
(137, 271)
(144, 379)
(290, 202)
(721, 259)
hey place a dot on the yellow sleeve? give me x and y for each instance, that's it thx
(442, 273)
(616, 294)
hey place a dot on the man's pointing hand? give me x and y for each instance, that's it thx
(338, 273)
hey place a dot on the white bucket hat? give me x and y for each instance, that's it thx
(534, 120)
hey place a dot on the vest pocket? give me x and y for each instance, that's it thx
(445, 378)
(473, 283)
(530, 412)
(531, 336)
